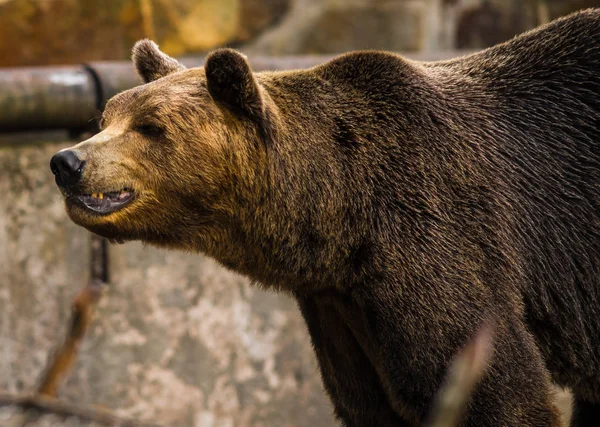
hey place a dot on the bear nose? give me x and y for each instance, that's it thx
(66, 167)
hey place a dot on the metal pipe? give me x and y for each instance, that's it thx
(46, 98)
(71, 97)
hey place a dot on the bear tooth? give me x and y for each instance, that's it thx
(101, 195)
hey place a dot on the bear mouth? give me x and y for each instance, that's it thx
(105, 203)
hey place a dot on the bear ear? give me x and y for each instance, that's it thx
(151, 63)
(231, 83)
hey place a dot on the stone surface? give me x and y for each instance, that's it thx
(43, 259)
(333, 26)
(67, 31)
(34, 32)
(180, 341)
(483, 23)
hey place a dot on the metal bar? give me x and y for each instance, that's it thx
(46, 98)
(71, 97)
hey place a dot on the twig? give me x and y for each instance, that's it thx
(46, 405)
(81, 317)
(466, 369)
(44, 401)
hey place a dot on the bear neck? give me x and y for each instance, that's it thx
(343, 177)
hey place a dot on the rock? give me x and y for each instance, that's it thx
(484, 23)
(333, 26)
(44, 260)
(66, 31)
(180, 341)
(36, 32)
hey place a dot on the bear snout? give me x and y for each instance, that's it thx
(67, 168)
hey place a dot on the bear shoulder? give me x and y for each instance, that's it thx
(373, 72)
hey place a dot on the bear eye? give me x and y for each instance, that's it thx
(149, 130)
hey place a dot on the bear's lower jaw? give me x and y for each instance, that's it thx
(102, 203)
(102, 225)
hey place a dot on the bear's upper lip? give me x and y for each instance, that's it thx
(104, 203)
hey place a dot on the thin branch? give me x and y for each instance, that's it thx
(464, 373)
(47, 405)
(82, 314)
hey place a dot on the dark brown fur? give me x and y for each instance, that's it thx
(401, 203)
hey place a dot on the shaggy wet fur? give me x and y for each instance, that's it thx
(401, 203)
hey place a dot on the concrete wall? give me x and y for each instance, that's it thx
(177, 339)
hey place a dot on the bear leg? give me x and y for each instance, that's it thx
(516, 390)
(412, 362)
(348, 376)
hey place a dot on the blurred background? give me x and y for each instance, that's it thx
(41, 32)
(177, 340)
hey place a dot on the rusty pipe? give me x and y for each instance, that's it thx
(46, 98)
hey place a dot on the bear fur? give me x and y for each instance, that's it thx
(403, 205)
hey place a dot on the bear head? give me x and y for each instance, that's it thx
(174, 157)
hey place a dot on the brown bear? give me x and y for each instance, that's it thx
(401, 203)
